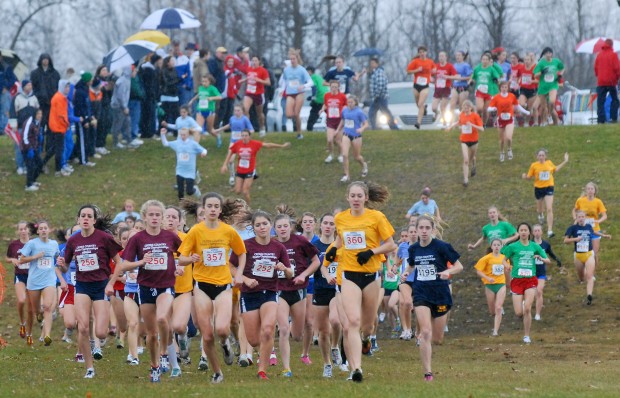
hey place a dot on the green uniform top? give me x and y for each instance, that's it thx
(486, 78)
(522, 258)
(548, 74)
(502, 230)
(317, 79)
(390, 283)
(204, 104)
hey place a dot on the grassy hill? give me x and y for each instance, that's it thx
(574, 343)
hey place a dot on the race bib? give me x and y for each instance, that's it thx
(426, 272)
(525, 272)
(421, 81)
(355, 240)
(158, 262)
(549, 77)
(343, 86)
(505, 116)
(293, 85)
(392, 278)
(483, 88)
(282, 275)
(514, 84)
(130, 279)
(214, 257)
(331, 269)
(440, 83)
(526, 79)
(235, 136)
(87, 262)
(349, 124)
(498, 269)
(466, 129)
(583, 246)
(263, 268)
(203, 103)
(544, 176)
(184, 157)
(244, 163)
(24, 266)
(251, 89)
(45, 262)
(72, 277)
(590, 221)
(333, 112)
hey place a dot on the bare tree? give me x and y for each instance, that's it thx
(26, 11)
(495, 16)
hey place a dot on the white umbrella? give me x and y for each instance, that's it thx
(170, 18)
(595, 45)
(128, 54)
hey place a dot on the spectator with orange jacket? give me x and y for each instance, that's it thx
(58, 124)
(607, 71)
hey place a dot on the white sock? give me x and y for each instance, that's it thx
(172, 356)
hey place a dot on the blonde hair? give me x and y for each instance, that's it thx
(295, 52)
(149, 203)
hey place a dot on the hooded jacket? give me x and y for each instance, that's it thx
(150, 81)
(25, 106)
(59, 110)
(120, 96)
(607, 67)
(44, 82)
(81, 101)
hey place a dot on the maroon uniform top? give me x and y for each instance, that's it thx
(92, 255)
(12, 252)
(300, 251)
(260, 264)
(159, 271)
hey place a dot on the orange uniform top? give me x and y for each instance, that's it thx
(468, 133)
(422, 77)
(505, 105)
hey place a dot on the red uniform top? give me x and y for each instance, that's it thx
(515, 75)
(252, 86)
(468, 133)
(505, 105)
(247, 155)
(118, 285)
(12, 252)
(527, 78)
(422, 77)
(92, 255)
(440, 75)
(159, 271)
(334, 104)
(260, 264)
(300, 251)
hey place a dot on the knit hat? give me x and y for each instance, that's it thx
(24, 82)
(86, 77)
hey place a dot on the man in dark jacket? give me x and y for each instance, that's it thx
(149, 74)
(87, 135)
(607, 71)
(45, 84)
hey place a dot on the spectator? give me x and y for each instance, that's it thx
(149, 74)
(83, 108)
(182, 67)
(136, 96)
(104, 121)
(379, 95)
(95, 96)
(191, 50)
(318, 94)
(242, 64)
(45, 83)
(7, 80)
(216, 69)
(75, 121)
(128, 207)
(200, 68)
(607, 71)
(120, 111)
(233, 75)
(26, 105)
(343, 74)
(58, 125)
(30, 149)
(168, 86)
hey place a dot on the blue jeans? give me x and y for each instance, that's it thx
(601, 92)
(135, 109)
(68, 148)
(380, 104)
(19, 159)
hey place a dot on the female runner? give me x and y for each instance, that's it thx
(334, 103)
(444, 74)
(516, 68)
(258, 280)
(485, 75)
(92, 250)
(421, 68)
(131, 306)
(504, 104)
(541, 267)
(523, 255)
(21, 277)
(308, 226)
(491, 269)
(595, 211)
(208, 245)
(528, 88)
(292, 291)
(353, 123)
(548, 71)
(581, 235)
(406, 286)
(460, 89)
(296, 81)
(364, 234)
(470, 124)
(543, 171)
(432, 298)
(257, 78)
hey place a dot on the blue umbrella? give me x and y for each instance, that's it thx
(368, 52)
(170, 18)
(128, 54)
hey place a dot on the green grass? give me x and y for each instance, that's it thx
(575, 349)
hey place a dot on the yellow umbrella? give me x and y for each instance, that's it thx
(153, 36)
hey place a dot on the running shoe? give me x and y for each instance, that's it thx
(300, 136)
(133, 361)
(527, 340)
(364, 170)
(541, 218)
(445, 329)
(119, 343)
(315, 340)
(229, 356)
(329, 158)
(262, 375)
(250, 361)
(32, 188)
(510, 154)
(366, 345)
(357, 375)
(428, 376)
(203, 364)
(306, 359)
(550, 234)
(164, 364)
(217, 378)
(90, 373)
(273, 359)
(198, 178)
(336, 357)
(243, 361)
(262, 133)
(155, 375)
(175, 372)
(79, 358)
(231, 180)
(66, 339)
(197, 192)
(29, 340)
(382, 317)
(494, 333)
(417, 126)
(473, 171)
(286, 373)
(97, 354)
(236, 348)
(340, 159)
(183, 346)
(501, 156)
(589, 299)
(327, 371)
(344, 367)
(344, 178)
(40, 317)
(374, 347)
(537, 317)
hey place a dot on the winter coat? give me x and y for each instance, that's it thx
(607, 67)
(44, 82)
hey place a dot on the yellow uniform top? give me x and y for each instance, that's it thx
(185, 282)
(593, 209)
(213, 246)
(492, 267)
(360, 233)
(542, 173)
